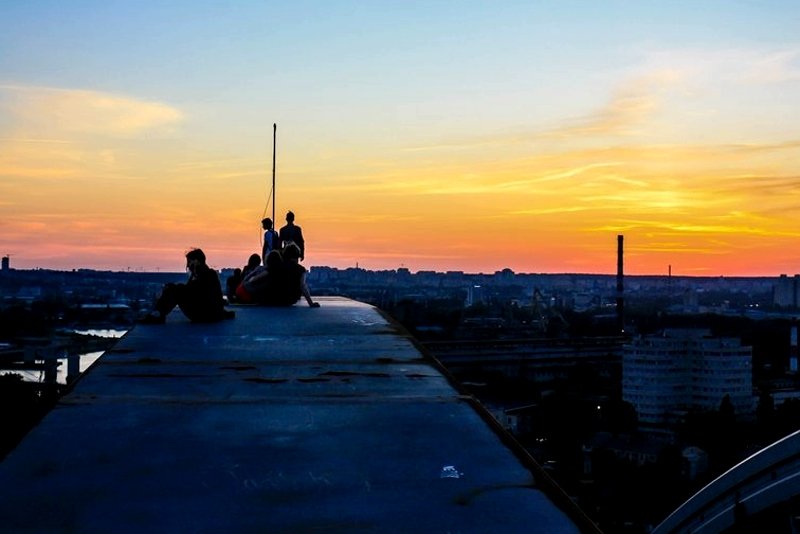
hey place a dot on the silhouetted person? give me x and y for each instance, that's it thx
(258, 286)
(252, 264)
(293, 279)
(291, 233)
(281, 282)
(272, 240)
(200, 298)
(233, 281)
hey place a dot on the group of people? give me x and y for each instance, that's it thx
(280, 280)
(275, 278)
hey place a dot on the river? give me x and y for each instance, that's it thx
(71, 366)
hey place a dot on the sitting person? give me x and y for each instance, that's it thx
(280, 283)
(253, 262)
(259, 286)
(200, 298)
(293, 284)
(233, 281)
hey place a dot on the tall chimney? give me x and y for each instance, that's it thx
(793, 347)
(620, 287)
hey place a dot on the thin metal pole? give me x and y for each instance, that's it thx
(620, 288)
(274, 137)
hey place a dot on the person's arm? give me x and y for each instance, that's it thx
(256, 274)
(307, 293)
(301, 243)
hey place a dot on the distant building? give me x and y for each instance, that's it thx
(666, 375)
(636, 449)
(6, 263)
(779, 396)
(475, 295)
(786, 290)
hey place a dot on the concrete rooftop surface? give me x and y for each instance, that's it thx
(281, 420)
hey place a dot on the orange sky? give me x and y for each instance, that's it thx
(434, 155)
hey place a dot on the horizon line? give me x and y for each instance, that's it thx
(423, 271)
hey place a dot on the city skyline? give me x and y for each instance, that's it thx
(428, 135)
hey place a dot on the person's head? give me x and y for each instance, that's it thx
(254, 261)
(266, 224)
(274, 260)
(291, 252)
(195, 258)
(289, 217)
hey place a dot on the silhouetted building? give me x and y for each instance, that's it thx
(685, 369)
(6, 263)
(793, 353)
(786, 291)
(475, 295)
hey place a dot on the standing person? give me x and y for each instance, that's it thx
(291, 233)
(200, 298)
(271, 239)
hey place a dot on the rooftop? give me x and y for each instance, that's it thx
(282, 420)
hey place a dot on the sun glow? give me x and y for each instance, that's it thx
(401, 155)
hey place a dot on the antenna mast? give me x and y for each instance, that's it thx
(274, 137)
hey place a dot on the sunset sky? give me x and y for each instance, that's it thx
(437, 135)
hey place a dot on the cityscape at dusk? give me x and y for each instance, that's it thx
(468, 136)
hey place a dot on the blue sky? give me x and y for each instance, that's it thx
(385, 108)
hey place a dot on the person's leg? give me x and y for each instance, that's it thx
(242, 295)
(199, 312)
(170, 297)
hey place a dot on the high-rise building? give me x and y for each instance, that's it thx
(6, 263)
(679, 370)
(786, 291)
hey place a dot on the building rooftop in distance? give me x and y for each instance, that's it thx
(282, 420)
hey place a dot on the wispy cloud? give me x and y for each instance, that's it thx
(681, 227)
(775, 67)
(664, 80)
(33, 141)
(634, 101)
(57, 133)
(42, 112)
(548, 211)
(755, 65)
(748, 185)
(678, 247)
(632, 104)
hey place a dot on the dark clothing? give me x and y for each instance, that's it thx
(292, 232)
(280, 285)
(291, 288)
(232, 283)
(271, 242)
(259, 286)
(236, 279)
(200, 299)
(247, 269)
